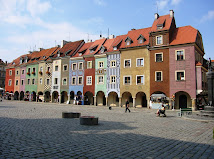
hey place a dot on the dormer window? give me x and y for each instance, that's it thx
(93, 48)
(20, 60)
(141, 39)
(44, 57)
(128, 41)
(13, 63)
(91, 51)
(161, 24)
(159, 40)
(115, 47)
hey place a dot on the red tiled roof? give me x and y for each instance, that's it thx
(71, 46)
(134, 34)
(183, 35)
(107, 45)
(84, 48)
(97, 43)
(118, 40)
(160, 20)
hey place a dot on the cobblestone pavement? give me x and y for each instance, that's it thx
(37, 130)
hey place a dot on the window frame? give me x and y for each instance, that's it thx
(99, 62)
(79, 65)
(23, 72)
(111, 79)
(73, 77)
(40, 80)
(9, 82)
(143, 79)
(156, 56)
(87, 77)
(78, 80)
(124, 80)
(10, 72)
(22, 82)
(64, 67)
(88, 64)
(28, 81)
(111, 66)
(56, 81)
(73, 66)
(137, 62)
(125, 63)
(156, 76)
(56, 66)
(64, 78)
(47, 83)
(33, 81)
(176, 56)
(176, 75)
(17, 82)
(157, 39)
(98, 82)
(17, 72)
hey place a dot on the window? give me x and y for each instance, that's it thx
(128, 43)
(56, 68)
(180, 75)
(9, 82)
(22, 82)
(17, 82)
(34, 69)
(65, 67)
(158, 57)
(64, 81)
(80, 80)
(48, 81)
(89, 64)
(127, 63)
(100, 64)
(17, 72)
(28, 81)
(115, 48)
(180, 55)
(56, 81)
(127, 80)
(33, 81)
(158, 76)
(48, 69)
(140, 62)
(40, 80)
(100, 79)
(113, 63)
(159, 40)
(74, 66)
(80, 65)
(88, 80)
(140, 80)
(73, 80)
(10, 72)
(140, 41)
(41, 69)
(112, 79)
(23, 71)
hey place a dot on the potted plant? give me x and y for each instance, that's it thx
(40, 72)
(47, 72)
(28, 73)
(33, 73)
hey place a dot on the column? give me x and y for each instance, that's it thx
(134, 101)
(95, 100)
(170, 103)
(59, 97)
(69, 98)
(106, 101)
(120, 101)
(194, 104)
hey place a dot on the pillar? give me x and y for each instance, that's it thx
(134, 98)
(120, 101)
(170, 103)
(95, 100)
(106, 101)
(69, 98)
(59, 98)
(194, 104)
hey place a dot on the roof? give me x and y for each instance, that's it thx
(117, 42)
(165, 18)
(106, 45)
(134, 35)
(69, 48)
(97, 43)
(83, 49)
(183, 35)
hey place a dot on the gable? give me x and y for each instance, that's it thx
(199, 41)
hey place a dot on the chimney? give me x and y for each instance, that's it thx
(40, 49)
(100, 36)
(156, 16)
(133, 29)
(63, 43)
(111, 36)
(171, 13)
(30, 52)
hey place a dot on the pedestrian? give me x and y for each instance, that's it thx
(127, 106)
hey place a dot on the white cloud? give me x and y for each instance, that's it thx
(175, 2)
(100, 2)
(35, 7)
(208, 16)
(162, 4)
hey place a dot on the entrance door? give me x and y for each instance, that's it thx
(182, 101)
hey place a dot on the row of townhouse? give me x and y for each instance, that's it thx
(146, 66)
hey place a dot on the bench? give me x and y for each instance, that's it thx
(184, 111)
(70, 115)
(88, 120)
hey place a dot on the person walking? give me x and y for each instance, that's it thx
(127, 106)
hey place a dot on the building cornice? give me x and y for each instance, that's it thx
(76, 58)
(100, 56)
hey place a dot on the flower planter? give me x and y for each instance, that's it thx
(88, 120)
(70, 115)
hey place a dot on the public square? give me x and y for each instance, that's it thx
(37, 130)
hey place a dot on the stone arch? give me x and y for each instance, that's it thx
(64, 97)
(141, 100)
(33, 96)
(16, 95)
(100, 98)
(89, 100)
(113, 99)
(182, 100)
(157, 99)
(128, 96)
(55, 97)
(47, 96)
(22, 95)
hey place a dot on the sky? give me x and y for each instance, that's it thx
(27, 25)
